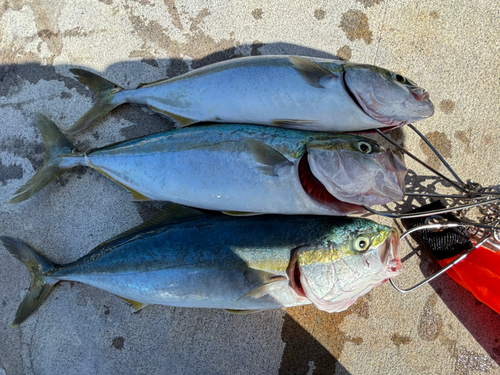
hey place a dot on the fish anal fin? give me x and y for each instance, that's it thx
(136, 306)
(138, 197)
(310, 71)
(266, 155)
(265, 288)
(232, 311)
(238, 213)
(182, 121)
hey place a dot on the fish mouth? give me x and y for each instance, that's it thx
(389, 254)
(317, 191)
(293, 273)
(364, 109)
(419, 94)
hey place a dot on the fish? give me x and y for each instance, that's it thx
(238, 169)
(287, 91)
(185, 258)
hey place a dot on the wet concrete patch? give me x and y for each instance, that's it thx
(399, 340)
(447, 106)
(199, 46)
(20, 147)
(13, 76)
(10, 172)
(257, 13)
(369, 3)
(344, 52)
(319, 14)
(355, 25)
(118, 342)
(442, 144)
(174, 13)
(464, 137)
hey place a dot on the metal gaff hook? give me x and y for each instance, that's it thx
(447, 267)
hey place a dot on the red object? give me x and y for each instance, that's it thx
(479, 273)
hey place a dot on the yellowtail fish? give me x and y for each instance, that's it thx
(183, 258)
(241, 169)
(287, 91)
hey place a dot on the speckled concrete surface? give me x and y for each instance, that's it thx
(453, 50)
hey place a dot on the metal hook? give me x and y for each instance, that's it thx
(456, 184)
(447, 267)
(428, 213)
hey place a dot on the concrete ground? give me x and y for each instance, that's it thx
(451, 49)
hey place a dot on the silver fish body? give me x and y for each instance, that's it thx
(243, 168)
(288, 91)
(228, 263)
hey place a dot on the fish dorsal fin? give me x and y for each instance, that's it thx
(310, 71)
(169, 213)
(238, 213)
(154, 83)
(136, 306)
(294, 123)
(232, 311)
(265, 288)
(265, 154)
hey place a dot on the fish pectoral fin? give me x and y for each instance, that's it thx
(182, 121)
(265, 154)
(293, 123)
(238, 213)
(231, 311)
(136, 306)
(310, 71)
(265, 288)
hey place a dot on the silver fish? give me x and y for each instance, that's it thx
(241, 265)
(288, 91)
(238, 169)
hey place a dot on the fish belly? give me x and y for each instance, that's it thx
(257, 92)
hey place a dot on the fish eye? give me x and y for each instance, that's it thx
(362, 244)
(364, 147)
(399, 78)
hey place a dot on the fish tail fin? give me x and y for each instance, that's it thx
(105, 91)
(38, 266)
(56, 145)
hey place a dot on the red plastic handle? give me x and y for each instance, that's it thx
(479, 273)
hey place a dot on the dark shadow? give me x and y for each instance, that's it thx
(303, 354)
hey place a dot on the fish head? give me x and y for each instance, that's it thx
(335, 273)
(386, 96)
(357, 170)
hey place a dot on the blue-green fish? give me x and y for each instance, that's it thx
(238, 169)
(288, 91)
(238, 264)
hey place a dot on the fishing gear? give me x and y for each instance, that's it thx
(468, 250)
